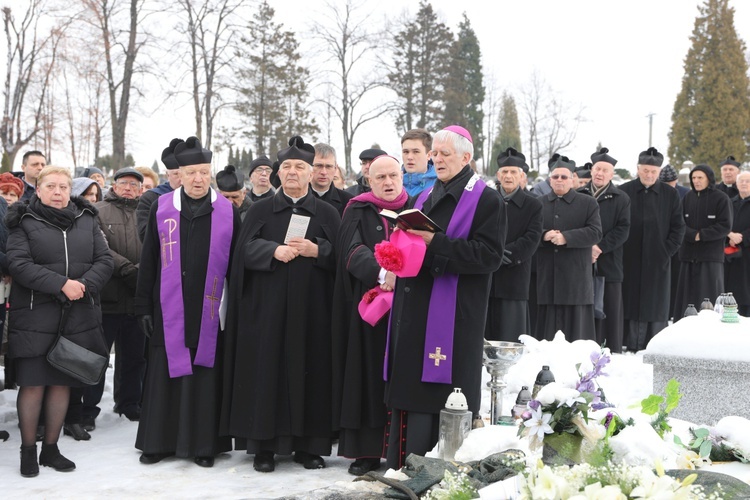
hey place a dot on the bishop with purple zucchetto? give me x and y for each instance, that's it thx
(181, 286)
(436, 333)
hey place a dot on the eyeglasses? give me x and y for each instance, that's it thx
(321, 166)
(133, 184)
(263, 171)
(558, 176)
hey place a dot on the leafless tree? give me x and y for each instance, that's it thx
(492, 103)
(116, 24)
(349, 43)
(209, 30)
(30, 62)
(551, 123)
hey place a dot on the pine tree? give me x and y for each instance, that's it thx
(711, 116)
(230, 157)
(508, 132)
(421, 57)
(273, 85)
(464, 85)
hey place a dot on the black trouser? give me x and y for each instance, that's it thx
(123, 331)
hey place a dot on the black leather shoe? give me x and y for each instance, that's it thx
(76, 431)
(132, 414)
(29, 464)
(51, 457)
(263, 462)
(308, 460)
(363, 466)
(204, 461)
(88, 423)
(152, 458)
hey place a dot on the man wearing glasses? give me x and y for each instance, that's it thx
(571, 227)
(118, 223)
(324, 166)
(260, 178)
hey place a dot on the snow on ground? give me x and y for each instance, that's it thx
(108, 464)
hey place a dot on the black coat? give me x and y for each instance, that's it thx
(42, 258)
(278, 342)
(358, 362)
(195, 240)
(337, 198)
(143, 211)
(473, 260)
(737, 270)
(708, 212)
(730, 191)
(524, 213)
(359, 187)
(614, 212)
(563, 273)
(656, 231)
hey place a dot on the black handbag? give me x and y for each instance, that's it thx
(598, 295)
(78, 362)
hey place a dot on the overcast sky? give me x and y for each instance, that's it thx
(620, 60)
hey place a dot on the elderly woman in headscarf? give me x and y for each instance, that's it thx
(363, 413)
(708, 219)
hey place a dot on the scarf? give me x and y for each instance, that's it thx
(600, 191)
(368, 197)
(62, 218)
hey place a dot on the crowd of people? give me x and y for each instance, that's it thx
(239, 315)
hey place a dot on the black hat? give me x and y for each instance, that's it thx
(558, 161)
(602, 155)
(584, 172)
(512, 158)
(128, 171)
(167, 156)
(729, 161)
(668, 173)
(262, 160)
(298, 150)
(191, 152)
(275, 181)
(371, 154)
(651, 157)
(230, 179)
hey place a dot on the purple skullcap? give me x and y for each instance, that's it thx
(458, 129)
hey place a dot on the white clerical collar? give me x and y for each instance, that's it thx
(320, 193)
(295, 200)
(260, 194)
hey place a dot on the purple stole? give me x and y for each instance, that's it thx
(172, 305)
(437, 363)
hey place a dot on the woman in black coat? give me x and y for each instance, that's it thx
(737, 266)
(57, 254)
(708, 219)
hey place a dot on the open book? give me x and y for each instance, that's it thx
(412, 219)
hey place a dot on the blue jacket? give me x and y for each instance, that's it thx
(417, 182)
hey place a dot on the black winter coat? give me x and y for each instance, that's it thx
(337, 198)
(737, 270)
(656, 231)
(474, 260)
(708, 213)
(42, 258)
(563, 274)
(614, 212)
(524, 213)
(117, 219)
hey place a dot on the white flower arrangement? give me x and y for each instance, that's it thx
(611, 482)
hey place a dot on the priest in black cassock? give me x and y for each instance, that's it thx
(359, 364)
(737, 264)
(278, 387)
(730, 169)
(183, 269)
(564, 281)
(438, 317)
(614, 212)
(508, 310)
(656, 230)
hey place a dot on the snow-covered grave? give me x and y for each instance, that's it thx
(710, 359)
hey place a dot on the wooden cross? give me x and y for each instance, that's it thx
(213, 297)
(437, 356)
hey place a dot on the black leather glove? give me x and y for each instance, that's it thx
(146, 322)
(506, 258)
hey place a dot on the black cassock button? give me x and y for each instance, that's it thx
(379, 228)
(407, 289)
(295, 210)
